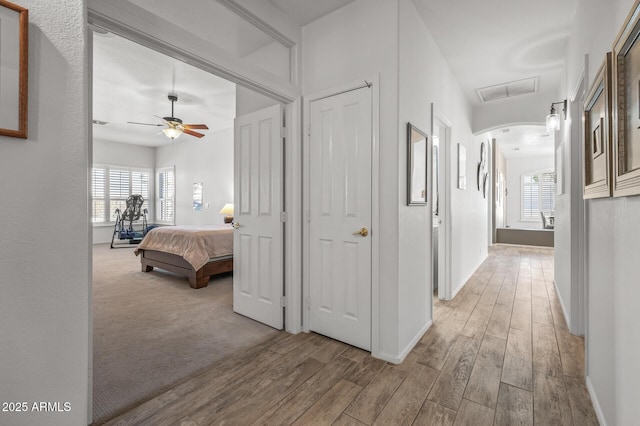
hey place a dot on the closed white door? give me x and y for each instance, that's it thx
(257, 243)
(340, 217)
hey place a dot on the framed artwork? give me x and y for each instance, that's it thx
(14, 54)
(597, 135)
(626, 107)
(462, 167)
(416, 166)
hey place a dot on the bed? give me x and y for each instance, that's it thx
(196, 252)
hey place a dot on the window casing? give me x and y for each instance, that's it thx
(110, 187)
(538, 194)
(166, 195)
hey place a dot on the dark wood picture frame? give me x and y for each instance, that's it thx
(23, 70)
(417, 166)
(626, 107)
(597, 118)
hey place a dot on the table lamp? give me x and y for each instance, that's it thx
(227, 210)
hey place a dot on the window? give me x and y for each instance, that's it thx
(165, 195)
(110, 188)
(538, 194)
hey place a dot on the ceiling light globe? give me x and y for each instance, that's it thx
(171, 132)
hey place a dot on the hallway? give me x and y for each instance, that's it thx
(499, 353)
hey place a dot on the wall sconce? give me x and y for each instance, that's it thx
(227, 210)
(553, 119)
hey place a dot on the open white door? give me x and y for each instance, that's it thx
(340, 217)
(258, 239)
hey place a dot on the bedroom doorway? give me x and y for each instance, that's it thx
(152, 330)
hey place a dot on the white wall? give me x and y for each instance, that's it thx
(45, 252)
(353, 44)
(613, 259)
(425, 77)
(516, 167)
(208, 161)
(125, 155)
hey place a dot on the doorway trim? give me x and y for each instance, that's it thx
(374, 83)
(438, 119)
(118, 19)
(578, 323)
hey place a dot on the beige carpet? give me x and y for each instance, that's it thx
(152, 331)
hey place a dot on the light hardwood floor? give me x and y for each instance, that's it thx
(499, 353)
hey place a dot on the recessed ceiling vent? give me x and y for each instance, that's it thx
(508, 90)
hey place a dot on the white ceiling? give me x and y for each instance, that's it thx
(131, 83)
(500, 40)
(524, 141)
(303, 12)
(491, 42)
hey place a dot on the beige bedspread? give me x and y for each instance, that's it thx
(196, 244)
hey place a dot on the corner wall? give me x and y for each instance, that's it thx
(208, 161)
(351, 44)
(45, 252)
(613, 258)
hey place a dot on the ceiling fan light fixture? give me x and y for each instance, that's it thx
(172, 132)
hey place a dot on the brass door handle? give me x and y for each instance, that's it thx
(235, 225)
(363, 232)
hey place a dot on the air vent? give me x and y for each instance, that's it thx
(508, 90)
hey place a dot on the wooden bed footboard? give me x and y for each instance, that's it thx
(176, 264)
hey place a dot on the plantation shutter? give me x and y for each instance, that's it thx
(165, 211)
(548, 193)
(530, 197)
(98, 191)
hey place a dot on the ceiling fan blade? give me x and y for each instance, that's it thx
(196, 126)
(192, 133)
(145, 124)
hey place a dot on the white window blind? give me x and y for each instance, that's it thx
(166, 192)
(538, 194)
(112, 185)
(98, 192)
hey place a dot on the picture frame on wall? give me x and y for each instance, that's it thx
(626, 103)
(462, 167)
(14, 68)
(597, 119)
(417, 178)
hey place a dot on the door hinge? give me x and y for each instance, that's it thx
(283, 302)
(307, 303)
(284, 217)
(283, 132)
(309, 130)
(308, 216)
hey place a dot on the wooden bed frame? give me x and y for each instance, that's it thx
(176, 264)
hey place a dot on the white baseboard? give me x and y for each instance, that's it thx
(596, 404)
(398, 359)
(564, 310)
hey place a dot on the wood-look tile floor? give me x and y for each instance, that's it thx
(498, 354)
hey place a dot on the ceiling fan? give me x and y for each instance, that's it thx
(175, 126)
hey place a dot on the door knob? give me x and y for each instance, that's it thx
(363, 232)
(235, 225)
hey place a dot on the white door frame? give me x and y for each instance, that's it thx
(111, 17)
(578, 323)
(375, 201)
(438, 119)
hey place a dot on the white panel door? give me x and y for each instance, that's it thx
(340, 204)
(257, 243)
